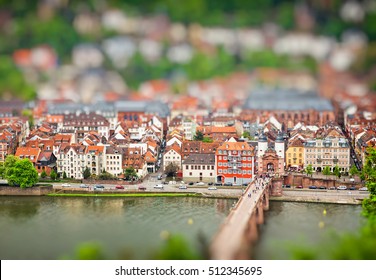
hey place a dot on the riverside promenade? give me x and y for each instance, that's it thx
(241, 224)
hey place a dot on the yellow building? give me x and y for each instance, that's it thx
(295, 154)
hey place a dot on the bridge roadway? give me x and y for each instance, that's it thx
(228, 240)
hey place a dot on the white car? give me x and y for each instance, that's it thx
(212, 188)
(66, 185)
(200, 184)
(182, 187)
(158, 186)
(342, 188)
(363, 189)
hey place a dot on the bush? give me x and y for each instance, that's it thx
(43, 174)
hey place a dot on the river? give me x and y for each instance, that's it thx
(53, 227)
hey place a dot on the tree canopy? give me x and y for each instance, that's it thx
(20, 172)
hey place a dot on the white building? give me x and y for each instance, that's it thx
(199, 167)
(113, 162)
(172, 155)
(329, 151)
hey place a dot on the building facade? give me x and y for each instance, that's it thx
(234, 162)
(199, 168)
(327, 152)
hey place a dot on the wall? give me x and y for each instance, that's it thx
(34, 191)
(306, 181)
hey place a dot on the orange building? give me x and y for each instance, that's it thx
(234, 163)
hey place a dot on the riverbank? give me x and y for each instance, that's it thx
(322, 196)
(349, 201)
(164, 194)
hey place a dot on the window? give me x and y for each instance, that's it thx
(190, 173)
(212, 168)
(203, 167)
(211, 174)
(219, 170)
(187, 167)
(219, 163)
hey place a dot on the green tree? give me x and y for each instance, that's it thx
(171, 170)
(176, 247)
(353, 170)
(326, 171)
(207, 139)
(86, 174)
(22, 174)
(130, 173)
(336, 171)
(199, 136)
(2, 170)
(309, 169)
(43, 174)
(53, 175)
(105, 176)
(246, 134)
(64, 175)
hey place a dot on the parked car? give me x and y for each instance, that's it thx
(236, 184)
(363, 189)
(342, 188)
(332, 188)
(159, 177)
(245, 184)
(312, 187)
(66, 185)
(299, 187)
(182, 187)
(119, 187)
(228, 184)
(210, 184)
(158, 186)
(212, 188)
(99, 187)
(200, 184)
(83, 186)
(287, 186)
(322, 188)
(217, 184)
(352, 188)
(141, 188)
(190, 183)
(165, 183)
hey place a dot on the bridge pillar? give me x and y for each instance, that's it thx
(265, 200)
(259, 214)
(277, 186)
(251, 233)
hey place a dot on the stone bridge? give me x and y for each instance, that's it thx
(239, 231)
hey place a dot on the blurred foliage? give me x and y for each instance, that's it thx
(176, 247)
(12, 83)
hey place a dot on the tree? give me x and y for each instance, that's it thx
(246, 134)
(353, 170)
(171, 170)
(43, 174)
(53, 175)
(64, 175)
(86, 174)
(2, 170)
(309, 169)
(22, 174)
(207, 140)
(369, 170)
(326, 171)
(105, 175)
(130, 173)
(199, 136)
(336, 171)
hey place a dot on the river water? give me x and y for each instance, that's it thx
(53, 227)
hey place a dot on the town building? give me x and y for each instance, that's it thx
(295, 154)
(172, 155)
(328, 151)
(235, 162)
(199, 168)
